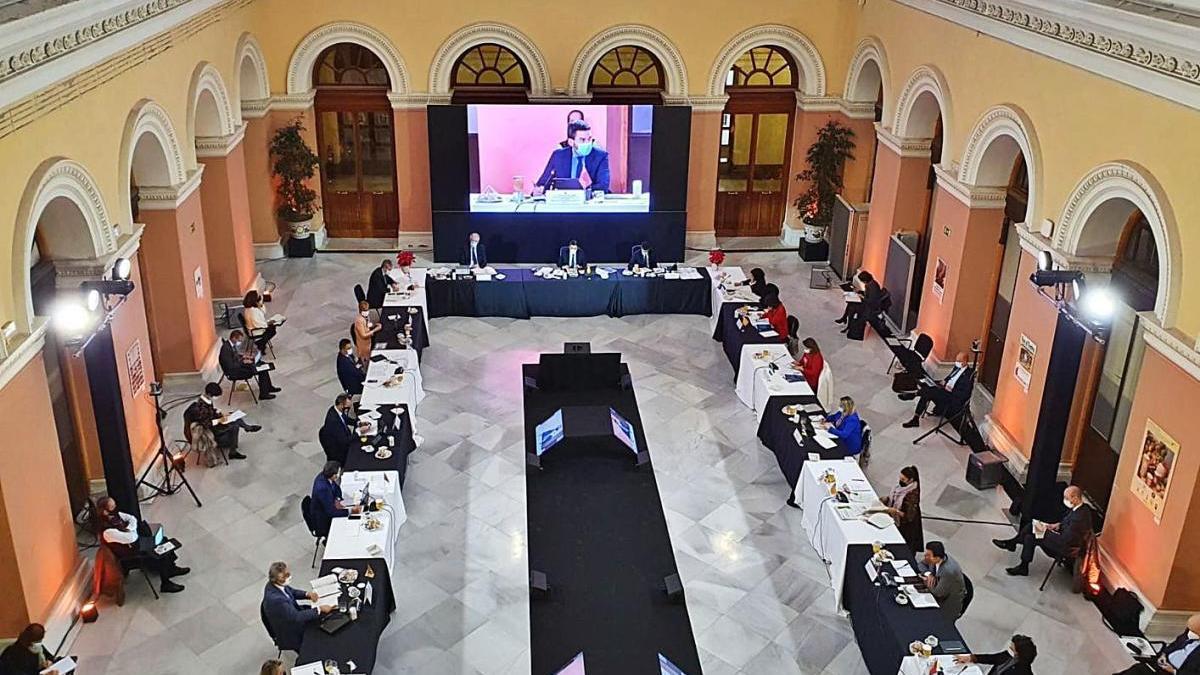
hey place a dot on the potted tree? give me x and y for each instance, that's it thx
(826, 160)
(293, 165)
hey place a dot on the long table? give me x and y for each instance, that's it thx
(778, 433)
(734, 340)
(597, 530)
(521, 295)
(764, 373)
(358, 641)
(348, 538)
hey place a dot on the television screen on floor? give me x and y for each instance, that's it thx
(550, 432)
(623, 430)
(667, 668)
(574, 667)
(559, 158)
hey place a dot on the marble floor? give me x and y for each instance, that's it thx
(757, 594)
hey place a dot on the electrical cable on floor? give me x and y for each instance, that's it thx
(965, 520)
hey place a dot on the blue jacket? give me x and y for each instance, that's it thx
(848, 431)
(560, 165)
(325, 495)
(349, 374)
(284, 618)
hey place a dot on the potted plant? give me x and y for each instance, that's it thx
(294, 165)
(716, 258)
(826, 160)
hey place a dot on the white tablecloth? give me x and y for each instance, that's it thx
(409, 392)
(828, 533)
(912, 666)
(724, 291)
(347, 536)
(756, 383)
(415, 298)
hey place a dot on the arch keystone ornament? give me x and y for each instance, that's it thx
(802, 50)
(441, 71)
(300, 68)
(636, 35)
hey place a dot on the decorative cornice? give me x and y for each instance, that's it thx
(70, 273)
(802, 50)
(638, 35)
(417, 101)
(219, 146)
(208, 78)
(150, 118)
(1171, 344)
(460, 41)
(975, 197)
(707, 103)
(293, 102)
(926, 78)
(857, 110)
(167, 198)
(904, 147)
(808, 103)
(256, 108)
(27, 348)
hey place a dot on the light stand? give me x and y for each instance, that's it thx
(173, 477)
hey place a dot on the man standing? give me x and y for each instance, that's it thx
(1181, 657)
(948, 395)
(474, 254)
(237, 365)
(349, 368)
(571, 256)
(581, 162)
(203, 411)
(285, 619)
(1066, 537)
(944, 578)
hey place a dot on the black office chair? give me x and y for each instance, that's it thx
(793, 325)
(332, 453)
(262, 616)
(359, 294)
(135, 561)
(1071, 560)
(306, 512)
(922, 346)
(968, 595)
(864, 456)
(254, 334)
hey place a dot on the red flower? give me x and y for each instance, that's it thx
(716, 256)
(405, 258)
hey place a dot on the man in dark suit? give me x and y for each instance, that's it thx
(944, 578)
(1066, 537)
(236, 365)
(581, 161)
(327, 498)
(380, 283)
(349, 368)
(571, 256)
(339, 432)
(284, 618)
(642, 256)
(949, 394)
(473, 254)
(1181, 657)
(1016, 660)
(203, 411)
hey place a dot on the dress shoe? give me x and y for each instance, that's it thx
(251, 428)
(275, 390)
(792, 502)
(266, 397)
(179, 571)
(234, 454)
(840, 321)
(914, 422)
(1021, 570)
(844, 329)
(1006, 544)
(169, 586)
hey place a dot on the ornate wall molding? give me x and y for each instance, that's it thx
(802, 49)
(973, 196)
(904, 147)
(248, 49)
(998, 122)
(151, 118)
(869, 49)
(169, 197)
(925, 79)
(219, 146)
(299, 75)
(638, 35)
(207, 78)
(440, 74)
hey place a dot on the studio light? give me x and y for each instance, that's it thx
(1098, 304)
(89, 612)
(118, 287)
(121, 269)
(1046, 275)
(74, 315)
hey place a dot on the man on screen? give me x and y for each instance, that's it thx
(571, 256)
(581, 161)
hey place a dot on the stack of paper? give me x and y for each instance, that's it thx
(278, 319)
(314, 668)
(327, 589)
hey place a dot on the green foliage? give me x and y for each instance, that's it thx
(294, 164)
(826, 159)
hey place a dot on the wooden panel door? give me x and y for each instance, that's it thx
(358, 170)
(753, 171)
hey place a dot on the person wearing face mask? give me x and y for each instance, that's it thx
(364, 330)
(125, 537)
(236, 364)
(340, 431)
(1180, 657)
(580, 165)
(26, 656)
(1066, 537)
(949, 394)
(1016, 660)
(473, 254)
(811, 362)
(571, 256)
(380, 283)
(327, 498)
(845, 425)
(204, 412)
(642, 257)
(944, 579)
(904, 506)
(573, 116)
(283, 616)
(349, 368)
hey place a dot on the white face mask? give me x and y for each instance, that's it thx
(366, 313)
(286, 581)
(1067, 503)
(36, 647)
(1193, 636)
(348, 352)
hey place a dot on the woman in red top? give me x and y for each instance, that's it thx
(776, 315)
(811, 362)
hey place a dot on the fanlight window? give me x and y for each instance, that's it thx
(350, 65)
(763, 67)
(489, 65)
(627, 68)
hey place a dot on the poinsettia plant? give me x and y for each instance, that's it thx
(405, 258)
(716, 256)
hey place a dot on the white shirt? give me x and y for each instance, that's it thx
(255, 318)
(571, 259)
(1177, 657)
(128, 535)
(958, 371)
(474, 257)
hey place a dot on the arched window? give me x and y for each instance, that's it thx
(350, 65)
(489, 72)
(763, 67)
(629, 74)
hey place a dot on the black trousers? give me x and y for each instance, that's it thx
(1052, 543)
(263, 338)
(940, 398)
(264, 382)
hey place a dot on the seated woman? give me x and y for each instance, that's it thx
(810, 362)
(870, 297)
(757, 282)
(776, 314)
(846, 426)
(904, 506)
(254, 315)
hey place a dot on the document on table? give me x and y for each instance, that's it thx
(903, 568)
(689, 273)
(826, 442)
(314, 668)
(61, 666)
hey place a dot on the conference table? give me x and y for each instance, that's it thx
(410, 297)
(349, 536)
(395, 429)
(520, 293)
(735, 339)
(766, 371)
(358, 641)
(610, 203)
(786, 439)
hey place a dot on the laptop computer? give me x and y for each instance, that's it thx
(334, 622)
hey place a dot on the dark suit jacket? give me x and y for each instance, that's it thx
(232, 364)
(284, 617)
(560, 163)
(349, 374)
(564, 257)
(336, 436)
(997, 661)
(962, 386)
(17, 660)
(639, 258)
(464, 258)
(1073, 530)
(872, 297)
(377, 288)
(1191, 666)
(325, 494)
(200, 413)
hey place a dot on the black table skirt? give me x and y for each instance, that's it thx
(777, 433)
(882, 628)
(358, 641)
(732, 338)
(357, 460)
(394, 318)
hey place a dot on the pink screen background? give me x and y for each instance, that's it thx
(516, 140)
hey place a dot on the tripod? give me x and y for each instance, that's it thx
(173, 478)
(956, 420)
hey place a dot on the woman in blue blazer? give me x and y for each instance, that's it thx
(846, 426)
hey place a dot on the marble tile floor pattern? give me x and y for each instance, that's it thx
(757, 594)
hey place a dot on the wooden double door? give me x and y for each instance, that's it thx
(357, 140)
(754, 165)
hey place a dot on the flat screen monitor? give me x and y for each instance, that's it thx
(573, 667)
(623, 430)
(549, 432)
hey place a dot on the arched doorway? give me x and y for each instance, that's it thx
(627, 74)
(756, 138)
(1008, 253)
(922, 225)
(489, 73)
(356, 139)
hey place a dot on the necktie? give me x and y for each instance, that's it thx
(474, 259)
(571, 263)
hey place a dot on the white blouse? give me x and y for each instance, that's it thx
(256, 318)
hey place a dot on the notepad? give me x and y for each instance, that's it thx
(825, 442)
(922, 600)
(314, 668)
(768, 333)
(63, 665)
(279, 319)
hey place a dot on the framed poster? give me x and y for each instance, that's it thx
(1025, 357)
(198, 279)
(1155, 467)
(939, 279)
(135, 369)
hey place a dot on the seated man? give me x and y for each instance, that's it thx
(949, 394)
(238, 365)
(284, 618)
(126, 538)
(1016, 660)
(642, 257)
(582, 162)
(473, 254)
(203, 411)
(1066, 537)
(327, 498)
(1180, 657)
(870, 295)
(572, 256)
(380, 283)
(338, 434)
(351, 371)
(944, 579)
